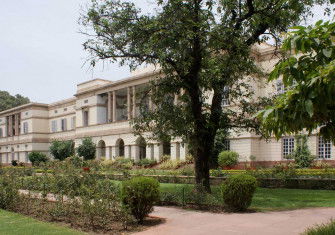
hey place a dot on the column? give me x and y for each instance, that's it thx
(114, 106)
(175, 151)
(10, 126)
(134, 153)
(128, 103)
(127, 151)
(17, 129)
(134, 102)
(109, 108)
(183, 151)
(149, 152)
(158, 151)
(108, 153)
(114, 152)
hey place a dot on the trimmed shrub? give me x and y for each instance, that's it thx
(302, 155)
(123, 163)
(171, 164)
(147, 162)
(14, 163)
(62, 149)
(36, 158)
(87, 149)
(228, 159)
(139, 194)
(238, 191)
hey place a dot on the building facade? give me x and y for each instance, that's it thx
(102, 109)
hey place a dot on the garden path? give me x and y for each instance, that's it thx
(188, 222)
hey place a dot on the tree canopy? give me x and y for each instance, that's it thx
(308, 71)
(8, 101)
(203, 50)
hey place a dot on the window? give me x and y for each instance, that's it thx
(280, 87)
(73, 123)
(1, 133)
(226, 145)
(288, 146)
(64, 124)
(225, 96)
(54, 126)
(324, 148)
(25, 127)
(85, 118)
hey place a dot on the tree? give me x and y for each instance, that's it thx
(8, 101)
(309, 101)
(202, 48)
(302, 155)
(87, 149)
(37, 157)
(62, 149)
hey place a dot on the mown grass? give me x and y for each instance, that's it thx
(264, 199)
(16, 224)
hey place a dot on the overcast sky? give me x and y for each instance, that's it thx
(41, 53)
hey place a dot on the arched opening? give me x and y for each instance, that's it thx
(166, 148)
(101, 149)
(141, 146)
(119, 148)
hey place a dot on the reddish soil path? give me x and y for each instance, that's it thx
(187, 222)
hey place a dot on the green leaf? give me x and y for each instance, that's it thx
(309, 107)
(327, 52)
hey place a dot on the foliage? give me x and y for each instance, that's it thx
(238, 191)
(171, 164)
(123, 163)
(139, 194)
(164, 158)
(37, 157)
(302, 155)
(323, 229)
(14, 163)
(147, 162)
(220, 143)
(185, 39)
(228, 159)
(9, 195)
(87, 149)
(62, 149)
(308, 103)
(8, 101)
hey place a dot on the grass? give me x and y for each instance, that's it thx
(264, 199)
(323, 229)
(16, 224)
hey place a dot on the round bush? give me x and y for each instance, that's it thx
(36, 158)
(238, 191)
(140, 194)
(228, 159)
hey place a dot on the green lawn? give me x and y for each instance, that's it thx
(264, 199)
(15, 224)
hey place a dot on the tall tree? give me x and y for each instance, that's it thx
(8, 101)
(203, 50)
(308, 72)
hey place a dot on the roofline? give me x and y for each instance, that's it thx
(96, 79)
(118, 82)
(24, 106)
(65, 101)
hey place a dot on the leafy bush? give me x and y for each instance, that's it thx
(171, 164)
(302, 155)
(87, 149)
(123, 163)
(238, 191)
(9, 195)
(62, 149)
(189, 159)
(323, 229)
(36, 158)
(164, 158)
(228, 159)
(14, 163)
(147, 162)
(139, 194)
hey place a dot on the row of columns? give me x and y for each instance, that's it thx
(179, 151)
(111, 104)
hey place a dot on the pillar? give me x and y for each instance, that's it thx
(108, 153)
(127, 151)
(109, 107)
(10, 125)
(17, 130)
(175, 151)
(183, 151)
(158, 151)
(114, 106)
(129, 103)
(149, 152)
(134, 101)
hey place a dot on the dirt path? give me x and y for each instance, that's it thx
(186, 222)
